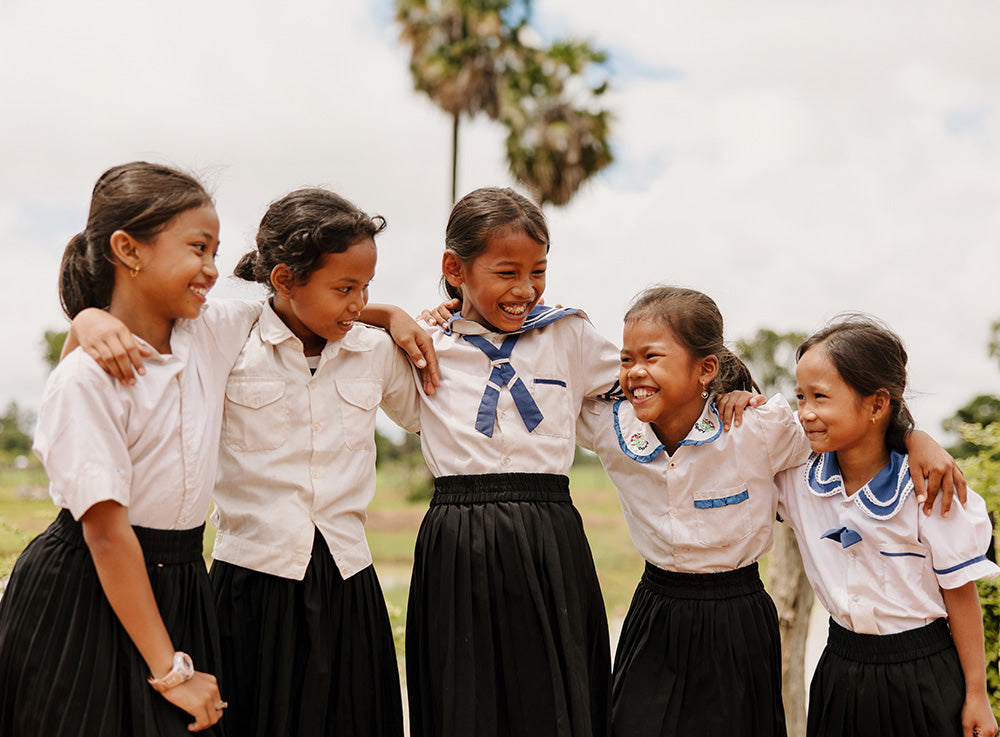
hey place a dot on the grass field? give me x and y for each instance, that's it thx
(25, 510)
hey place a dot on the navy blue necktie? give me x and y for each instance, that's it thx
(502, 375)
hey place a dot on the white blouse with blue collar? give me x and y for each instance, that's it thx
(875, 561)
(508, 402)
(710, 506)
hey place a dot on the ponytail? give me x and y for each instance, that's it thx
(85, 278)
(734, 375)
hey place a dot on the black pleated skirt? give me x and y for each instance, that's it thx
(307, 658)
(699, 654)
(67, 666)
(506, 631)
(909, 683)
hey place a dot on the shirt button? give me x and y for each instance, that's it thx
(316, 426)
(673, 512)
(505, 461)
(672, 464)
(315, 474)
(854, 553)
(855, 598)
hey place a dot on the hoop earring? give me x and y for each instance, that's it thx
(133, 272)
(873, 419)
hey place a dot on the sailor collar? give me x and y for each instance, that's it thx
(539, 317)
(638, 441)
(881, 498)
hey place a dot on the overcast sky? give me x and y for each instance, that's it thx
(791, 159)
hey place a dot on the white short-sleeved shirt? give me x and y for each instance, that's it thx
(560, 364)
(875, 561)
(152, 446)
(298, 449)
(710, 506)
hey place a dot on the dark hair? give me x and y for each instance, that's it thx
(300, 229)
(696, 322)
(486, 212)
(868, 356)
(138, 198)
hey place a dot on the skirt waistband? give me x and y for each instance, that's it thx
(896, 648)
(722, 585)
(158, 546)
(487, 488)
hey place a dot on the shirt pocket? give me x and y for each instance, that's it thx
(905, 568)
(553, 398)
(361, 398)
(255, 415)
(722, 515)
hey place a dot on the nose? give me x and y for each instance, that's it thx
(210, 269)
(523, 289)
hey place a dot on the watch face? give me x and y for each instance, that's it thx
(183, 665)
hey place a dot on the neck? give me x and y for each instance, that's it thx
(312, 344)
(861, 464)
(144, 323)
(676, 428)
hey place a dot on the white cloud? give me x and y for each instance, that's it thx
(790, 159)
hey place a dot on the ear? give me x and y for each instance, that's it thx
(452, 269)
(283, 280)
(124, 249)
(709, 369)
(881, 404)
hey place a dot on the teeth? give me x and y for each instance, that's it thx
(514, 309)
(200, 291)
(643, 392)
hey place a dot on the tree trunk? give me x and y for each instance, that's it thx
(454, 158)
(793, 598)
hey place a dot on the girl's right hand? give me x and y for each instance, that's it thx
(977, 716)
(199, 697)
(109, 342)
(442, 313)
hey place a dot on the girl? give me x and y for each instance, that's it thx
(506, 632)
(699, 652)
(107, 626)
(306, 635)
(905, 649)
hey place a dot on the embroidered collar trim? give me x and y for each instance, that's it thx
(638, 441)
(539, 317)
(881, 498)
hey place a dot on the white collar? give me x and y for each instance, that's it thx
(638, 441)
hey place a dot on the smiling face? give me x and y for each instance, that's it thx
(178, 268)
(325, 306)
(834, 416)
(661, 379)
(502, 284)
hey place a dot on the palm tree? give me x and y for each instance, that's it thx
(457, 49)
(477, 56)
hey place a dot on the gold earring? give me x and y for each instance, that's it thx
(133, 272)
(704, 392)
(873, 419)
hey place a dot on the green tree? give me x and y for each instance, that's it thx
(52, 345)
(15, 424)
(558, 134)
(771, 357)
(471, 57)
(982, 411)
(982, 471)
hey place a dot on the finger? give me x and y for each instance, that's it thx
(136, 353)
(758, 400)
(738, 414)
(960, 487)
(123, 367)
(919, 487)
(947, 494)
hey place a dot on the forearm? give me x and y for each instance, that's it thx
(121, 569)
(966, 620)
(379, 315)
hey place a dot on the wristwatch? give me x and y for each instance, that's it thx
(182, 671)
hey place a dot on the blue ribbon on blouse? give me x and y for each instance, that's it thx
(503, 374)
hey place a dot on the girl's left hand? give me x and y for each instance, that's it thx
(978, 719)
(732, 404)
(934, 471)
(417, 344)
